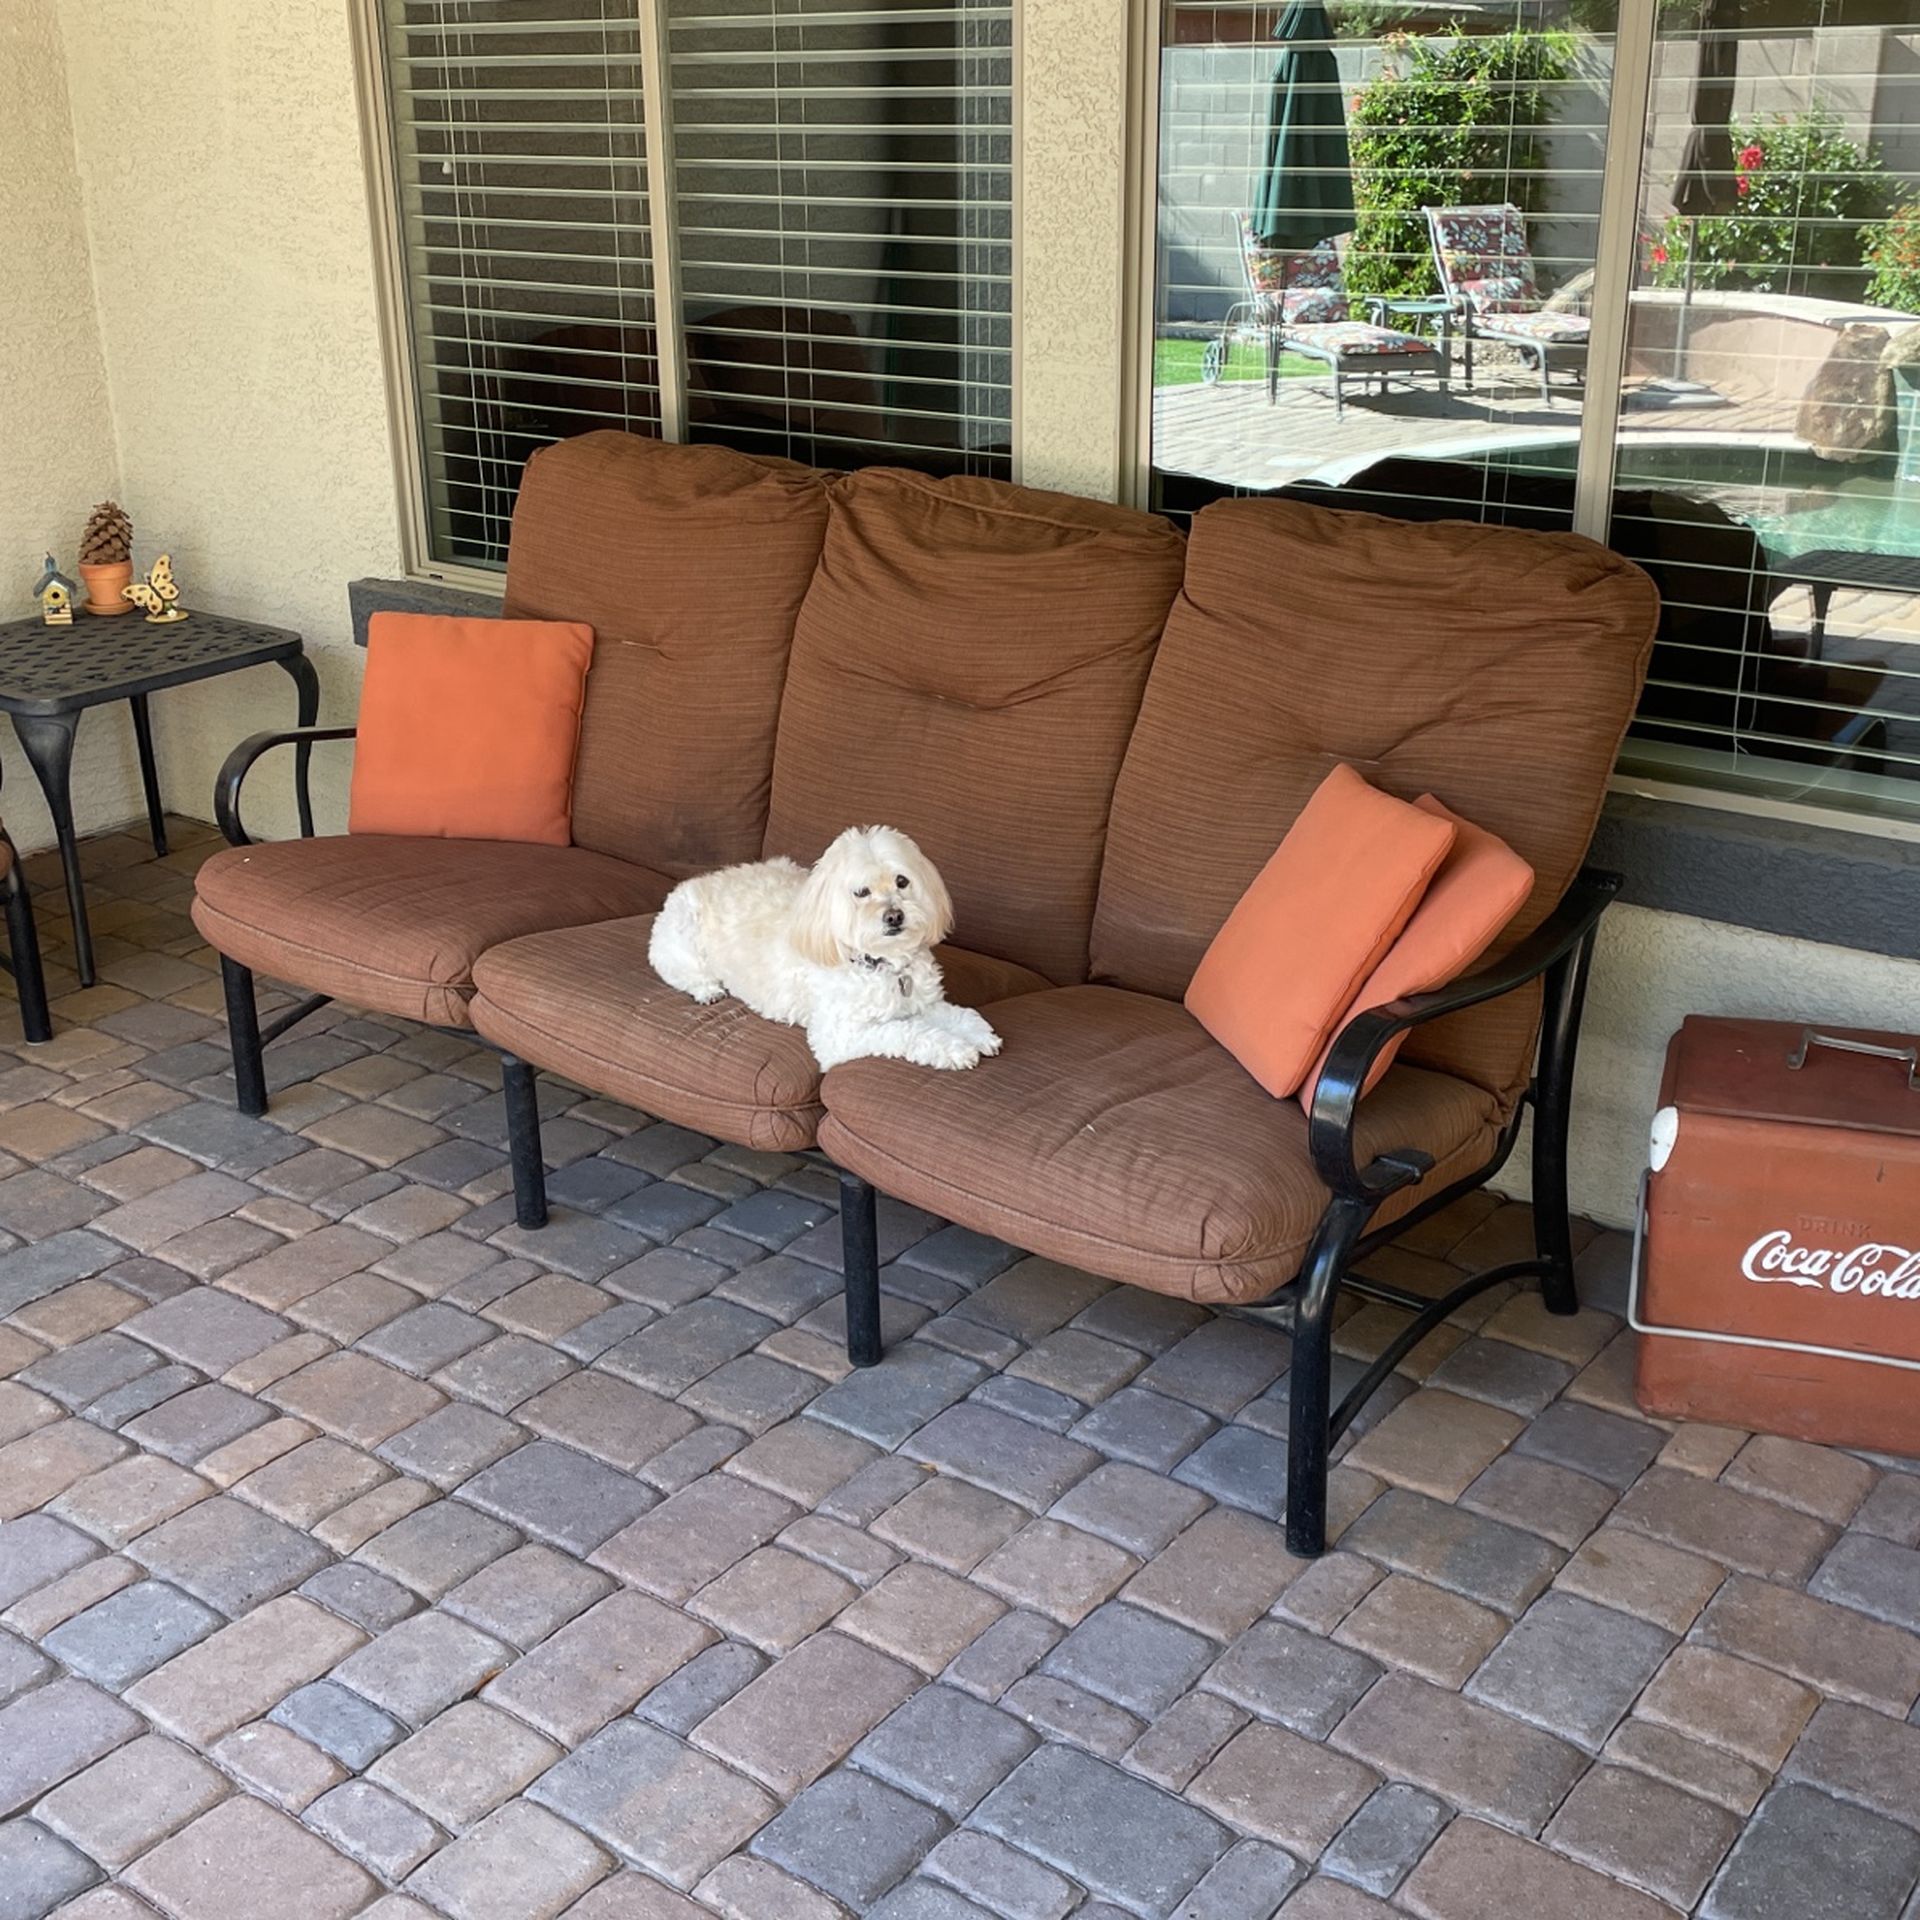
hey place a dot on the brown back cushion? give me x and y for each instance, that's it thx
(967, 668)
(1495, 669)
(689, 563)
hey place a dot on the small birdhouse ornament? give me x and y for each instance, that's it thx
(56, 594)
(157, 594)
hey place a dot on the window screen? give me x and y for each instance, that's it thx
(843, 215)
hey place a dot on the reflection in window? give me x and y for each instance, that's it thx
(1421, 347)
(1776, 313)
(1376, 238)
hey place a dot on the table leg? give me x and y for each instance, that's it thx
(1823, 591)
(306, 685)
(48, 742)
(149, 773)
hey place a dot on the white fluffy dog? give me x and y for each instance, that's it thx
(845, 951)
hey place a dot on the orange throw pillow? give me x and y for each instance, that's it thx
(1483, 884)
(1316, 922)
(468, 728)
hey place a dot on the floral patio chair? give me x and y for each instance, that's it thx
(1299, 302)
(1290, 288)
(1486, 272)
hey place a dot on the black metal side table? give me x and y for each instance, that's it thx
(49, 676)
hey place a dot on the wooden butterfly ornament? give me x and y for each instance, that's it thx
(157, 594)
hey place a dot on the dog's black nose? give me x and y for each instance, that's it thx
(894, 919)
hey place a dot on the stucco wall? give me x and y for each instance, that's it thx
(1074, 107)
(1650, 972)
(56, 433)
(233, 261)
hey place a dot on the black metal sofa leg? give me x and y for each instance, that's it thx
(1566, 991)
(523, 1141)
(860, 1264)
(1309, 1392)
(23, 944)
(1310, 1377)
(243, 1035)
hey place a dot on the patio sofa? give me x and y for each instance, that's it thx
(1099, 729)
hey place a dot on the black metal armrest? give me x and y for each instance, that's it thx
(233, 773)
(1337, 1096)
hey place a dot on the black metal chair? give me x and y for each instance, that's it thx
(23, 946)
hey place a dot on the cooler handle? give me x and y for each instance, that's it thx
(1908, 1057)
(1640, 1325)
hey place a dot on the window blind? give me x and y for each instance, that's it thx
(844, 225)
(792, 233)
(521, 159)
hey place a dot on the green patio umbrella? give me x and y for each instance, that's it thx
(1304, 193)
(1705, 184)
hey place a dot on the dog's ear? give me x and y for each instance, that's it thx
(811, 929)
(939, 901)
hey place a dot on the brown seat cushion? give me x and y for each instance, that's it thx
(967, 667)
(584, 1003)
(1493, 668)
(689, 563)
(395, 924)
(1113, 1134)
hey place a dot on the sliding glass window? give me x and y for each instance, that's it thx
(1377, 230)
(1397, 253)
(780, 225)
(1768, 462)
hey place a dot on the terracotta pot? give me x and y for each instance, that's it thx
(103, 586)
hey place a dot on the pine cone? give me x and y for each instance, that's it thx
(108, 538)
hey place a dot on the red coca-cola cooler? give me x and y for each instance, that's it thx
(1777, 1267)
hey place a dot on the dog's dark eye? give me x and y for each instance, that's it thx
(901, 880)
(860, 893)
